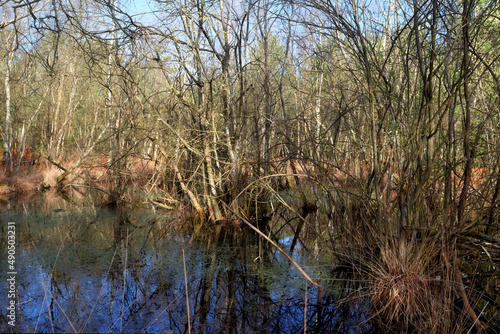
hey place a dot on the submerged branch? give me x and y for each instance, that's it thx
(316, 284)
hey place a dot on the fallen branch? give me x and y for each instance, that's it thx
(481, 236)
(316, 284)
(161, 205)
(55, 163)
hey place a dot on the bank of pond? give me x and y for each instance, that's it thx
(86, 268)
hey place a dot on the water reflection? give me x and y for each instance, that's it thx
(88, 269)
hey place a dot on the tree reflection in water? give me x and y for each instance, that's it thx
(95, 270)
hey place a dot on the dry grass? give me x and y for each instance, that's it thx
(50, 175)
(405, 284)
(142, 170)
(138, 173)
(4, 189)
(23, 183)
(414, 272)
(28, 179)
(410, 290)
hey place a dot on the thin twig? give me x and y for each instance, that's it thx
(477, 319)
(188, 308)
(145, 330)
(316, 284)
(305, 310)
(99, 294)
(124, 283)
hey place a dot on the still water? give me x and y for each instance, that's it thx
(85, 269)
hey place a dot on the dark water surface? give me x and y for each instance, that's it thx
(87, 269)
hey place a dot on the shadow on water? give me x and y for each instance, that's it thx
(89, 269)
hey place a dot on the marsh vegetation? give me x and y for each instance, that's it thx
(344, 155)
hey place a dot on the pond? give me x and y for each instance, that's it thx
(81, 268)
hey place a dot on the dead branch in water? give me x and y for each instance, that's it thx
(306, 276)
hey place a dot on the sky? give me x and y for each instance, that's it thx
(142, 10)
(136, 7)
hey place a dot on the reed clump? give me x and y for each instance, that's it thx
(414, 285)
(406, 286)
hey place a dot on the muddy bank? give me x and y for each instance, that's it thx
(30, 179)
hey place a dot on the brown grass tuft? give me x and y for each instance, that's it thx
(23, 183)
(407, 291)
(4, 187)
(400, 284)
(50, 175)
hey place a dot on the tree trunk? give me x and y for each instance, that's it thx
(7, 154)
